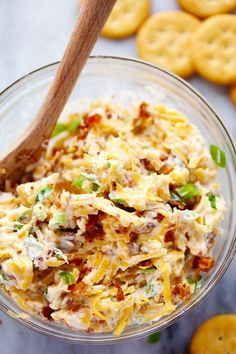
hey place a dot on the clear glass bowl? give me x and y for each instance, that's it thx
(104, 76)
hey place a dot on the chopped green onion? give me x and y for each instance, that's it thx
(59, 128)
(24, 215)
(108, 164)
(95, 184)
(195, 282)
(212, 200)
(118, 201)
(68, 277)
(59, 219)
(72, 127)
(218, 156)
(188, 191)
(43, 194)
(148, 270)
(78, 182)
(17, 226)
(154, 338)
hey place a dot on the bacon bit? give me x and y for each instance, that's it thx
(141, 122)
(164, 157)
(120, 295)
(166, 168)
(122, 230)
(93, 228)
(146, 263)
(47, 311)
(81, 287)
(182, 290)
(56, 149)
(133, 236)
(83, 271)
(76, 307)
(38, 223)
(76, 261)
(175, 203)
(160, 217)
(90, 120)
(170, 234)
(143, 111)
(139, 213)
(147, 164)
(58, 204)
(82, 133)
(204, 264)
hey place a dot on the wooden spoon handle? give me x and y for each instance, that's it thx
(91, 19)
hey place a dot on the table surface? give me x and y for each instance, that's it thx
(34, 33)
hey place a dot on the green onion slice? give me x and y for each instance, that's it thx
(218, 156)
(188, 191)
(195, 282)
(59, 128)
(43, 194)
(17, 226)
(212, 200)
(148, 270)
(68, 277)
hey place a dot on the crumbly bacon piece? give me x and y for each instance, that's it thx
(120, 295)
(160, 217)
(90, 120)
(203, 263)
(147, 164)
(142, 121)
(47, 311)
(93, 228)
(76, 307)
(143, 110)
(170, 234)
(80, 287)
(83, 271)
(182, 290)
(76, 261)
(133, 236)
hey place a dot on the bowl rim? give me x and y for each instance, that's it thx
(107, 338)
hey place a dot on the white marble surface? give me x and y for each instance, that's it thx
(33, 33)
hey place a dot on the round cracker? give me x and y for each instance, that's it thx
(232, 92)
(214, 49)
(164, 40)
(126, 18)
(206, 8)
(215, 336)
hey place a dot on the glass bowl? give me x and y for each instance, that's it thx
(108, 76)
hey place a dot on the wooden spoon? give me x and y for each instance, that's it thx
(28, 147)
